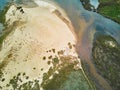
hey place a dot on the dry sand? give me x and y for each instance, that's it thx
(23, 50)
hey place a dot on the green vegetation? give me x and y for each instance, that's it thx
(106, 57)
(26, 86)
(29, 85)
(57, 80)
(66, 78)
(48, 62)
(61, 52)
(76, 81)
(44, 58)
(86, 4)
(3, 37)
(50, 57)
(107, 8)
(7, 31)
(110, 9)
(2, 20)
(41, 69)
(53, 50)
(101, 1)
(55, 60)
(58, 77)
(70, 45)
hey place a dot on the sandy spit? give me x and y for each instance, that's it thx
(23, 50)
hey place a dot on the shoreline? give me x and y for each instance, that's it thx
(27, 45)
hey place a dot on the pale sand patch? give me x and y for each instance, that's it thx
(26, 46)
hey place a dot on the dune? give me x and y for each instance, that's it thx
(38, 37)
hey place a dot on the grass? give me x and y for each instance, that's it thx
(107, 8)
(111, 11)
(105, 0)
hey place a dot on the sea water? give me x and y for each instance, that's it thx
(3, 3)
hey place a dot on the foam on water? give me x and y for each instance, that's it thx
(45, 4)
(95, 3)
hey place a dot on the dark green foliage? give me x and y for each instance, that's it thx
(44, 58)
(3, 80)
(107, 8)
(26, 86)
(13, 82)
(7, 31)
(110, 9)
(55, 60)
(30, 85)
(107, 59)
(36, 86)
(86, 4)
(49, 62)
(67, 79)
(50, 57)
(57, 80)
(53, 50)
(3, 37)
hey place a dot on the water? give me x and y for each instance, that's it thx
(3, 3)
(95, 3)
(86, 24)
(1, 27)
(92, 20)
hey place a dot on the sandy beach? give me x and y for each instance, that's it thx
(40, 34)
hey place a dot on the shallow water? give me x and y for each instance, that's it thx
(95, 3)
(1, 27)
(77, 13)
(3, 3)
(87, 25)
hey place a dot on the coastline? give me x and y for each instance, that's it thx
(29, 42)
